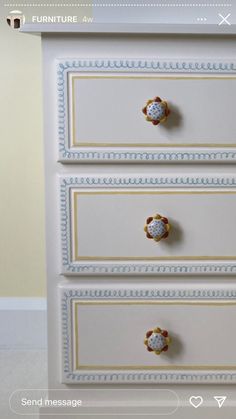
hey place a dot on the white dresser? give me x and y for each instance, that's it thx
(108, 172)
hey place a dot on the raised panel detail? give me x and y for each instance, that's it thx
(103, 331)
(103, 225)
(100, 111)
(107, 111)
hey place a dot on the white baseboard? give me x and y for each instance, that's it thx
(23, 324)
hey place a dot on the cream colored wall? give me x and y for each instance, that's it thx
(22, 261)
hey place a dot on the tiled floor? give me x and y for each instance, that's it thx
(20, 370)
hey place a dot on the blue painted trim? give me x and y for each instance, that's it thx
(147, 294)
(149, 378)
(151, 269)
(133, 294)
(157, 268)
(149, 181)
(67, 154)
(202, 156)
(179, 66)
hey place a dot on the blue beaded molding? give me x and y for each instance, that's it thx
(70, 267)
(113, 377)
(68, 154)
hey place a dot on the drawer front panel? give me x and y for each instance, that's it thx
(108, 328)
(105, 225)
(116, 101)
(101, 112)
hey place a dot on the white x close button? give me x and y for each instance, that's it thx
(224, 19)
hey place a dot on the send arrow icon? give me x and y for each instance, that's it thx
(220, 400)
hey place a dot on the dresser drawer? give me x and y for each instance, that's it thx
(105, 339)
(101, 118)
(103, 222)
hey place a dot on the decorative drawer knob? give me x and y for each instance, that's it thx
(157, 340)
(157, 227)
(156, 110)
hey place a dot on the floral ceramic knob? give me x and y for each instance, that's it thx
(157, 340)
(157, 227)
(156, 110)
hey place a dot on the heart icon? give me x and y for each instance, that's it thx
(196, 401)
